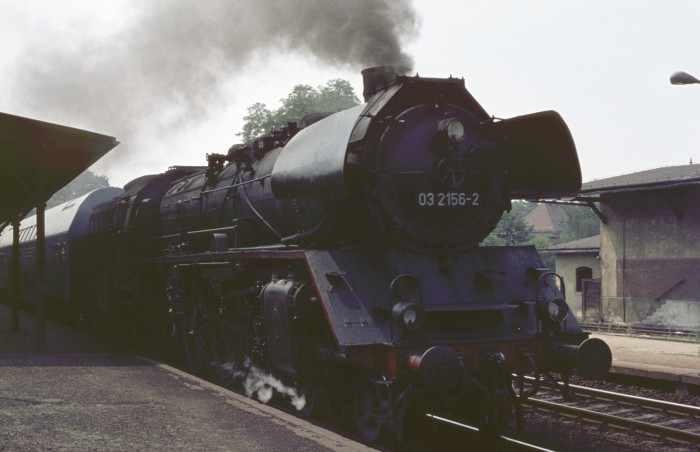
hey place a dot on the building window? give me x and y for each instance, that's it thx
(581, 274)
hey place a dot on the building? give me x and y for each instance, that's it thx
(578, 262)
(649, 246)
(547, 220)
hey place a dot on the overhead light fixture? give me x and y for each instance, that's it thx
(683, 78)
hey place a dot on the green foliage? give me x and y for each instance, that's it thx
(511, 230)
(86, 182)
(258, 121)
(299, 103)
(493, 240)
(581, 222)
(335, 95)
(539, 242)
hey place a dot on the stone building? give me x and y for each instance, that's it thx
(578, 262)
(650, 246)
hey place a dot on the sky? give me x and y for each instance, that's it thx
(172, 79)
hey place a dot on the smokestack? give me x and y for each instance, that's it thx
(375, 79)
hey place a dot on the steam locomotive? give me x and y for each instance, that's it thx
(341, 254)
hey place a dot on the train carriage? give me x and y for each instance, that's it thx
(63, 223)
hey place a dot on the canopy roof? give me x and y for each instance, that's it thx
(38, 158)
(658, 178)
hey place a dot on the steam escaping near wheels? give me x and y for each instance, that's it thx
(262, 386)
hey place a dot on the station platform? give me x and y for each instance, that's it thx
(78, 396)
(639, 356)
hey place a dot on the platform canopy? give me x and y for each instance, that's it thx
(39, 158)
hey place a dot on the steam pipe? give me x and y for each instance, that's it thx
(305, 234)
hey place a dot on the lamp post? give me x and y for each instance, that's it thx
(683, 78)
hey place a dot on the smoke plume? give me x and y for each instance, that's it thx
(167, 65)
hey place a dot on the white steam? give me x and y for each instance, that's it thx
(261, 386)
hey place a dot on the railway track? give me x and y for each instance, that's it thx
(502, 442)
(642, 330)
(654, 417)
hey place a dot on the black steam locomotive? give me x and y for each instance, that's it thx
(342, 255)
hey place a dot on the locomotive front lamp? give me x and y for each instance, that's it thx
(554, 309)
(409, 315)
(557, 310)
(455, 130)
(683, 78)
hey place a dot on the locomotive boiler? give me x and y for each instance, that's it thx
(341, 254)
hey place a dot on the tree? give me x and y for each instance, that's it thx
(300, 102)
(581, 222)
(86, 182)
(258, 121)
(512, 229)
(335, 95)
(493, 240)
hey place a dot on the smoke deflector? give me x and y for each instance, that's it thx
(541, 156)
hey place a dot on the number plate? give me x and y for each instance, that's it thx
(447, 199)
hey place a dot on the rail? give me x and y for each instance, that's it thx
(506, 440)
(656, 417)
(642, 330)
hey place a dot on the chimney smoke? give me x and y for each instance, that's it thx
(169, 64)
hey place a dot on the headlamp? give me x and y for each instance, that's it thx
(554, 309)
(455, 130)
(409, 315)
